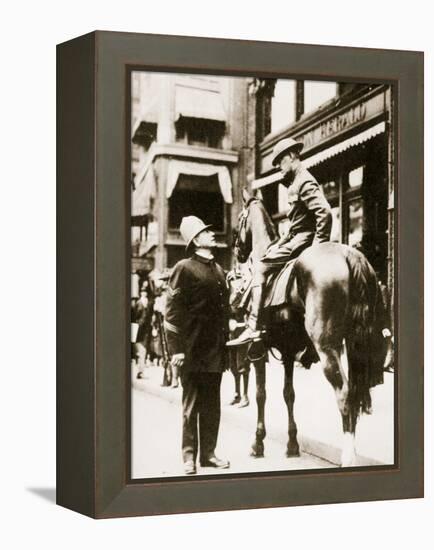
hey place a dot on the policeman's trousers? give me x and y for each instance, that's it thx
(201, 414)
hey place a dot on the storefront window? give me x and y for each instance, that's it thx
(283, 104)
(282, 199)
(200, 132)
(330, 189)
(197, 196)
(316, 93)
(336, 227)
(355, 221)
(355, 177)
(269, 196)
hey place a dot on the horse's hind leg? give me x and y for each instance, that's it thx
(292, 448)
(334, 372)
(245, 393)
(258, 445)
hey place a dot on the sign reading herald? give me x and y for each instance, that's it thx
(333, 126)
(343, 121)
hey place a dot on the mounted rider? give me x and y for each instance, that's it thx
(310, 220)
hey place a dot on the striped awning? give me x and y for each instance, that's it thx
(199, 103)
(148, 114)
(344, 145)
(330, 152)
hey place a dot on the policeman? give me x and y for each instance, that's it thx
(309, 217)
(196, 322)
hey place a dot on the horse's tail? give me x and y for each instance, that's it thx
(363, 335)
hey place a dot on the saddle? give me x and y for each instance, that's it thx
(276, 290)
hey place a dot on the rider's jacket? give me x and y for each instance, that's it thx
(309, 210)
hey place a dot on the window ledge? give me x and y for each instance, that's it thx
(196, 152)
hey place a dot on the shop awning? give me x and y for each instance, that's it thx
(199, 103)
(178, 167)
(143, 195)
(266, 180)
(148, 114)
(143, 131)
(326, 153)
(344, 145)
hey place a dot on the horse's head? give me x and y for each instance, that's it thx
(253, 219)
(243, 239)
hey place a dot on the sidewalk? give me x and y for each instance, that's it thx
(318, 420)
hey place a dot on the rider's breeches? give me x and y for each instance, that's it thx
(263, 270)
(276, 258)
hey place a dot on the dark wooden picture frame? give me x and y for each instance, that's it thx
(93, 394)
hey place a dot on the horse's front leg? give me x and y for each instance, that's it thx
(258, 445)
(292, 448)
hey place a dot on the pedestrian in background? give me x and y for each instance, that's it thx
(143, 317)
(134, 330)
(197, 317)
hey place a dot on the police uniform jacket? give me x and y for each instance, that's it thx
(197, 314)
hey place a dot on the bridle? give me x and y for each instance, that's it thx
(242, 223)
(242, 237)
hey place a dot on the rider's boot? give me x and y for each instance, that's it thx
(251, 333)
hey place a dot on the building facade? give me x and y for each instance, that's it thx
(188, 149)
(347, 131)
(198, 139)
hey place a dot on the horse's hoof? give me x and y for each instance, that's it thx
(292, 451)
(244, 402)
(349, 455)
(235, 400)
(257, 452)
(349, 462)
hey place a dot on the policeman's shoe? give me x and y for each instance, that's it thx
(214, 462)
(245, 337)
(189, 467)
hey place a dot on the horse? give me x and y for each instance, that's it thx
(333, 304)
(240, 357)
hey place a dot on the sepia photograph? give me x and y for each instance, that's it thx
(263, 259)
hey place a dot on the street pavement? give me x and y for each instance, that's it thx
(156, 433)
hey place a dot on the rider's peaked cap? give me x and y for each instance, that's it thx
(283, 146)
(190, 228)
